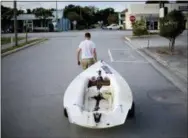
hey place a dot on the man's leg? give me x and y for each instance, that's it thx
(84, 64)
(90, 62)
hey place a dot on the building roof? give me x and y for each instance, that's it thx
(26, 17)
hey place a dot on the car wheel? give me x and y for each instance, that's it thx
(131, 112)
(110, 28)
(65, 113)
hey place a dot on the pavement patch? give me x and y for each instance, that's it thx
(125, 56)
(168, 97)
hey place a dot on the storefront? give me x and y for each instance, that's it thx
(150, 13)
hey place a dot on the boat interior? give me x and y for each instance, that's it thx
(98, 95)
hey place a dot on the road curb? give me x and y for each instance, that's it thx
(21, 48)
(164, 63)
(128, 39)
(167, 72)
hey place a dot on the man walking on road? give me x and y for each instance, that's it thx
(88, 52)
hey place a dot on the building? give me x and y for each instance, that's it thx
(33, 23)
(60, 23)
(121, 17)
(150, 12)
(37, 24)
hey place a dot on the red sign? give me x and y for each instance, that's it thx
(132, 18)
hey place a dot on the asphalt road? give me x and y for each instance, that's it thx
(34, 81)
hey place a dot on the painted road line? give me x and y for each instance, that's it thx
(128, 61)
(128, 43)
(127, 49)
(110, 55)
(132, 47)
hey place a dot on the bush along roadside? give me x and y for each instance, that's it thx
(21, 45)
(139, 28)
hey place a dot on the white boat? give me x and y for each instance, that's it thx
(99, 97)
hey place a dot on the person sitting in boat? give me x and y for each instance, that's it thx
(88, 52)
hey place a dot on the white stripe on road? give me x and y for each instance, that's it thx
(132, 47)
(124, 61)
(110, 55)
(120, 49)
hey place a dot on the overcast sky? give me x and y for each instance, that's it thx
(28, 4)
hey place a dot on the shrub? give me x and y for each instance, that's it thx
(171, 26)
(139, 28)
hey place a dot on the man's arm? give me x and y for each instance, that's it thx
(78, 55)
(95, 54)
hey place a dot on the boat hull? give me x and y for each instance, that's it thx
(115, 116)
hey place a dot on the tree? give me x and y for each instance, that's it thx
(113, 18)
(171, 26)
(29, 11)
(6, 15)
(43, 14)
(88, 15)
(102, 15)
(73, 16)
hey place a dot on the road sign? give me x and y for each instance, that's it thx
(132, 18)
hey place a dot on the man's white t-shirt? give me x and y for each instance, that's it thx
(87, 47)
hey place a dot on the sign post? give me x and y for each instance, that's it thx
(150, 22)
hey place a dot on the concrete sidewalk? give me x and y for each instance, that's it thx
(5, 46)
(177, 63)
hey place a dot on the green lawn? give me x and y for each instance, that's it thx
(6, 40)
(20, 45)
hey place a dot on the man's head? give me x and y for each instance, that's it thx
(87, 35)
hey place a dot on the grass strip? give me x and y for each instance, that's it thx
(20, 45)
(7, 40)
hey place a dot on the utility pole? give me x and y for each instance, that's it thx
(56, 11)
(15, 23)
(80, 12)
(56, 17)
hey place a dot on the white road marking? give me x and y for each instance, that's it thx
(110, 55)
(124, 61)
(132, 47)
(120, 49)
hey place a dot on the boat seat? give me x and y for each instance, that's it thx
(93, 82)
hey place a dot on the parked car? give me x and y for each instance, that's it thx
(115, 27)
